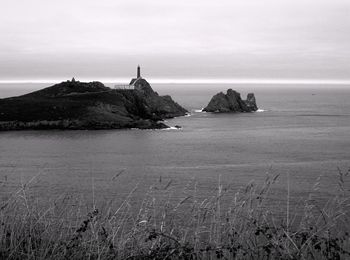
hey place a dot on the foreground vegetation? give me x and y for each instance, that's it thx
(225, 225)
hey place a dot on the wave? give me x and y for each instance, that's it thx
(172, 128)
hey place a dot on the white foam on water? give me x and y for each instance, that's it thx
(260, 110)
(172, 128)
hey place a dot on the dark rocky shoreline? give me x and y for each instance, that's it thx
(231, 102)
(74, 105)
(77, 105)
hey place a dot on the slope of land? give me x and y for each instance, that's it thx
(79, 105)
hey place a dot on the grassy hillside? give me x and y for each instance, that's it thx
(175, 226)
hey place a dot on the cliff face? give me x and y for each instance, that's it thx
(161, 106)
(77, 105)
(231, 102)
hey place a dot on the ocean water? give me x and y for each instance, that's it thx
(301, 133)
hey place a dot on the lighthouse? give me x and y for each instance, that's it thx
(138, 72)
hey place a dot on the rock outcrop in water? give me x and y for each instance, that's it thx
(231, 102)
(79, 105)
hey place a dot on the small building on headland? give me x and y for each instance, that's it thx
(73, 80)
(138, 83)
(133, 83)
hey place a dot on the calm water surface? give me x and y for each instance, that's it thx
(302, 133)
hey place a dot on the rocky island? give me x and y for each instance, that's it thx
(231, 102)
(78, 105)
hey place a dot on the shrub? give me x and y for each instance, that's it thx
(221, 226)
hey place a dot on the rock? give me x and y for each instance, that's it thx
(141, 85)
(79, 105)
(231, 102)
(251, 102)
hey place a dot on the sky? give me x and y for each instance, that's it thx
(175, 40)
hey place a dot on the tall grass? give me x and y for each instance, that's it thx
(223, 225)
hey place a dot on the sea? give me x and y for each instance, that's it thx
(301, 133)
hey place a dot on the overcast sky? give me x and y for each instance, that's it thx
(175, 39)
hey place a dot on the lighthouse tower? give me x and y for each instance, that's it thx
(138, 72)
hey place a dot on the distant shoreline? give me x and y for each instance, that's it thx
(199, 81)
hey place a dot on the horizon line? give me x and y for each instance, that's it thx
(282, 81)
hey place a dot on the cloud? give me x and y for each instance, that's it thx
(36, 33)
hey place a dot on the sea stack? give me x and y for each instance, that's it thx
(231, 102)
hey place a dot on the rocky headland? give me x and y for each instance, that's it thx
(231, 102)
(80, 105)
